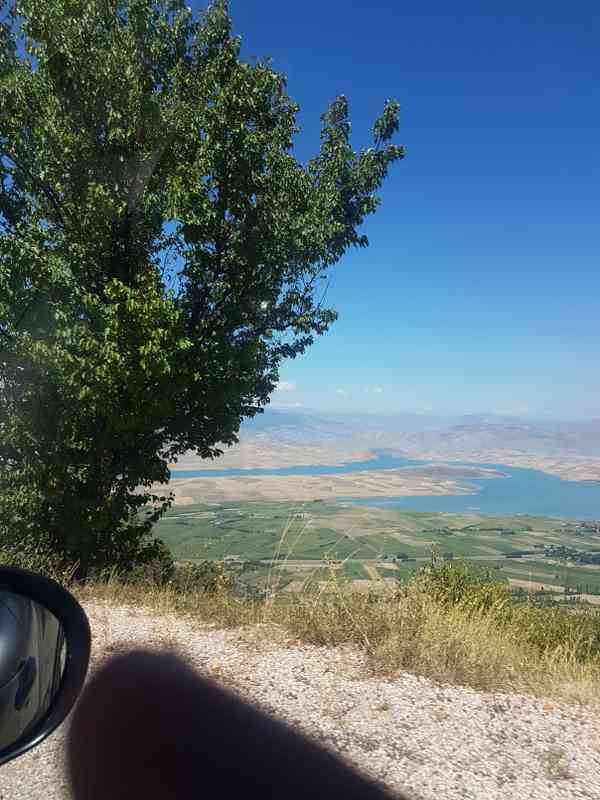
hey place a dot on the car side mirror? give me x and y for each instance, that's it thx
(44, 655)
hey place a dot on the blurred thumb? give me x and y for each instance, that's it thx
(147, 726)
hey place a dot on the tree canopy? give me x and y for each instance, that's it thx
(136, 119)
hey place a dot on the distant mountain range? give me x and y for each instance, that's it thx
(276, 419)
(298, 428)
(573, 438)
(464, 433)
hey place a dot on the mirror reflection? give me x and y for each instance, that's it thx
(32, 662)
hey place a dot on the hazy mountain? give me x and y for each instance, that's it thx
(396, 422)
(466, 433)
(291, 426)
(490, 437)
(567, 438)
(494, 419)
(318, 421)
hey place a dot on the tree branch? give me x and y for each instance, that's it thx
(46, 189)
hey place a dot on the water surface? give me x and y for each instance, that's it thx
(523, 491)
(377, 462)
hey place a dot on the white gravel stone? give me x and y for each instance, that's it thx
(419, 738)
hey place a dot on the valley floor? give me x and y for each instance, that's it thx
(374, 547)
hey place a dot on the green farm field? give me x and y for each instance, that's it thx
(291, 542)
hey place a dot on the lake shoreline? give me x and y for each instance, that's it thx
(406, 483)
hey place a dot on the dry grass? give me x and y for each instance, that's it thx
(220, 608)
(399, 631)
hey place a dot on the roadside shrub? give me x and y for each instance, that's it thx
(461, 583)
(207, 577)
(558, 630)
(37, 555)
(475, 591)
(156, 567)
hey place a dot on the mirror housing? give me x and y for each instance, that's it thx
(52, 597)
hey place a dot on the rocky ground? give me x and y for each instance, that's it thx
(419, 738)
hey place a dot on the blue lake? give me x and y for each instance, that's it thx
(523, 491)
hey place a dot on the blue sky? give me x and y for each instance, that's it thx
(479, 290)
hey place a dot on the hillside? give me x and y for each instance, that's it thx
(559, 439)
(283, 439)
(422, 432)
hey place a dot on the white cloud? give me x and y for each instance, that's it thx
(427, 408)
(287, 405)
(341, 393)
(377, 390)
(285, 386)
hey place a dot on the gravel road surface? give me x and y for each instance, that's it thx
(419, 738)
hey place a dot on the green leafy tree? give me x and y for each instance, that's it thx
(138, 139)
